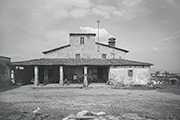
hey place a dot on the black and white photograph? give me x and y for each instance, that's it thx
(89, 59)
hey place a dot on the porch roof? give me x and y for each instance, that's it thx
(75, 62)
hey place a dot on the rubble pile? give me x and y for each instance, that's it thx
(88, 115)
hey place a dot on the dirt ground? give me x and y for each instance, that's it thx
(55, 104)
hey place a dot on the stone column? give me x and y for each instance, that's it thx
(85, 76)
(12, 76)
(36, 76)
(61, 82)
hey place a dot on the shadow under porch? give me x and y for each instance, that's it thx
(47, 74)
(95, 74)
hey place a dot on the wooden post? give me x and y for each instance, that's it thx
(36, 76)
(85, 76)
(61, 82)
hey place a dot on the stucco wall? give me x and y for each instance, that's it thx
(110, 52)
(120, 74)
(4, 70)
(62, 53)
(87, 50)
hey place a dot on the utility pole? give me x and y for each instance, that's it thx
(98, 33)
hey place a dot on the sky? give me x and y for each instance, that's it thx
(149, 29)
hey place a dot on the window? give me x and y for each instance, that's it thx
(130, 73)
(81, 40)
(103, 55)
(77, 56)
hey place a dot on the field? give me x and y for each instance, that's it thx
(18, 103)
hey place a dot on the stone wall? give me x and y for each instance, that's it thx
(87, 50)
(4, 71)
(110, 52)
(140, 75)
(62, 53)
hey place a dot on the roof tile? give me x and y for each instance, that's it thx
(75, 62)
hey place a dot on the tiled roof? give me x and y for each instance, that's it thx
(82, 34)
(75, 62)
(56, 49)
(112, 47)
(5, 57)
(45, 52)
(125, 62)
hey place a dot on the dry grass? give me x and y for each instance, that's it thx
(18, 103)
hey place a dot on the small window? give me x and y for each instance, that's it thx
(103, 55)
(77, 56)
(130, 73)
(81, 40)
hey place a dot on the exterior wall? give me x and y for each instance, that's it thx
(4, 70)
(62, 53)
(87, 50)
(140, 76)
(110, 52)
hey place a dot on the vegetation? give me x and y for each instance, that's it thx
(19, 103)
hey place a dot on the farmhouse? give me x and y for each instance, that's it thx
(83, 60)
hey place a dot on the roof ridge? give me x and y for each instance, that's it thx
(94, 34)
(64, 46)
(112, 47)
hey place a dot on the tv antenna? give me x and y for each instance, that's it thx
(98, 33)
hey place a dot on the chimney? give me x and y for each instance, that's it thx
(112, 41)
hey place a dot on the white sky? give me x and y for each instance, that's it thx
(149, 29)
